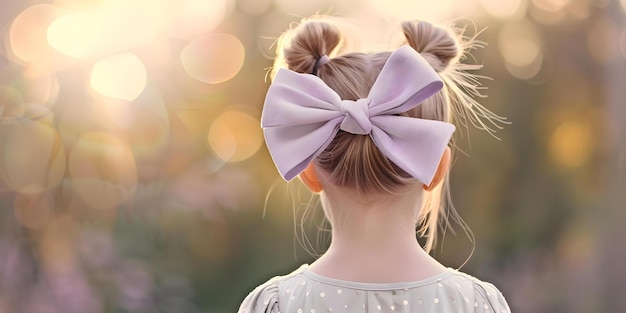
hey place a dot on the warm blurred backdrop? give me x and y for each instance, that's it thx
(133, 174)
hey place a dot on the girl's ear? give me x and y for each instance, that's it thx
(310, 179)
(442, 169)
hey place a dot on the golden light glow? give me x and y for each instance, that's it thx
(75, 35)
(213, 58)
(623, 3)
(551, 5)
(223, 142)
(109, 27)
(121, 76)
(78, 5)
(502, 8)
(571, 144)
(32, 158)
(198, 17)
(27, 36)
(102, 170)
(235, 136)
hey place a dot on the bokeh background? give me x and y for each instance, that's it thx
(133, 175)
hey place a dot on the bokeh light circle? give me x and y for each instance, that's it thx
(521, 51)
(121, 76)
(529, 72)
(520, 46)
(108, 27)
(571, 144)
(235, 136)
(103, 170)
(213, 58)
(28, 33)
(75, 35)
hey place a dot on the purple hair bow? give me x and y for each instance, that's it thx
(302, 115)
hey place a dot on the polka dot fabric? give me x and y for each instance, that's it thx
(306, 292)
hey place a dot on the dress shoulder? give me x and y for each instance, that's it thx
(487, 298)
(264, 298)
(305, 291)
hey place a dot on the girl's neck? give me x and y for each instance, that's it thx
(374, 241)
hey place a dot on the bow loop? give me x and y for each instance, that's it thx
(357, 120)
(302, 115)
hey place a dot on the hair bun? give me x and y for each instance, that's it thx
(437, 45)
(310, 41)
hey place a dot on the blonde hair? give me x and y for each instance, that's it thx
(353, 160)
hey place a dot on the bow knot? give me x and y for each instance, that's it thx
(357, 120)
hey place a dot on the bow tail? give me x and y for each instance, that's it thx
(293, 147)
(415, 145)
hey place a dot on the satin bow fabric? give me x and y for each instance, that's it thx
(302, 115)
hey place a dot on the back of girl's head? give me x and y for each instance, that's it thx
(354, 161)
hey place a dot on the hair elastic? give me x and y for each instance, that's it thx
(319, 62)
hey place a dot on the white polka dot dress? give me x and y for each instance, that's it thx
(304, 291)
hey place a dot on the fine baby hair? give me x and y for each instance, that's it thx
(371, 133)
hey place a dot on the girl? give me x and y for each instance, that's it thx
(369, 132)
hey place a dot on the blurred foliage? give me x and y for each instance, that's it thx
(133, 176)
